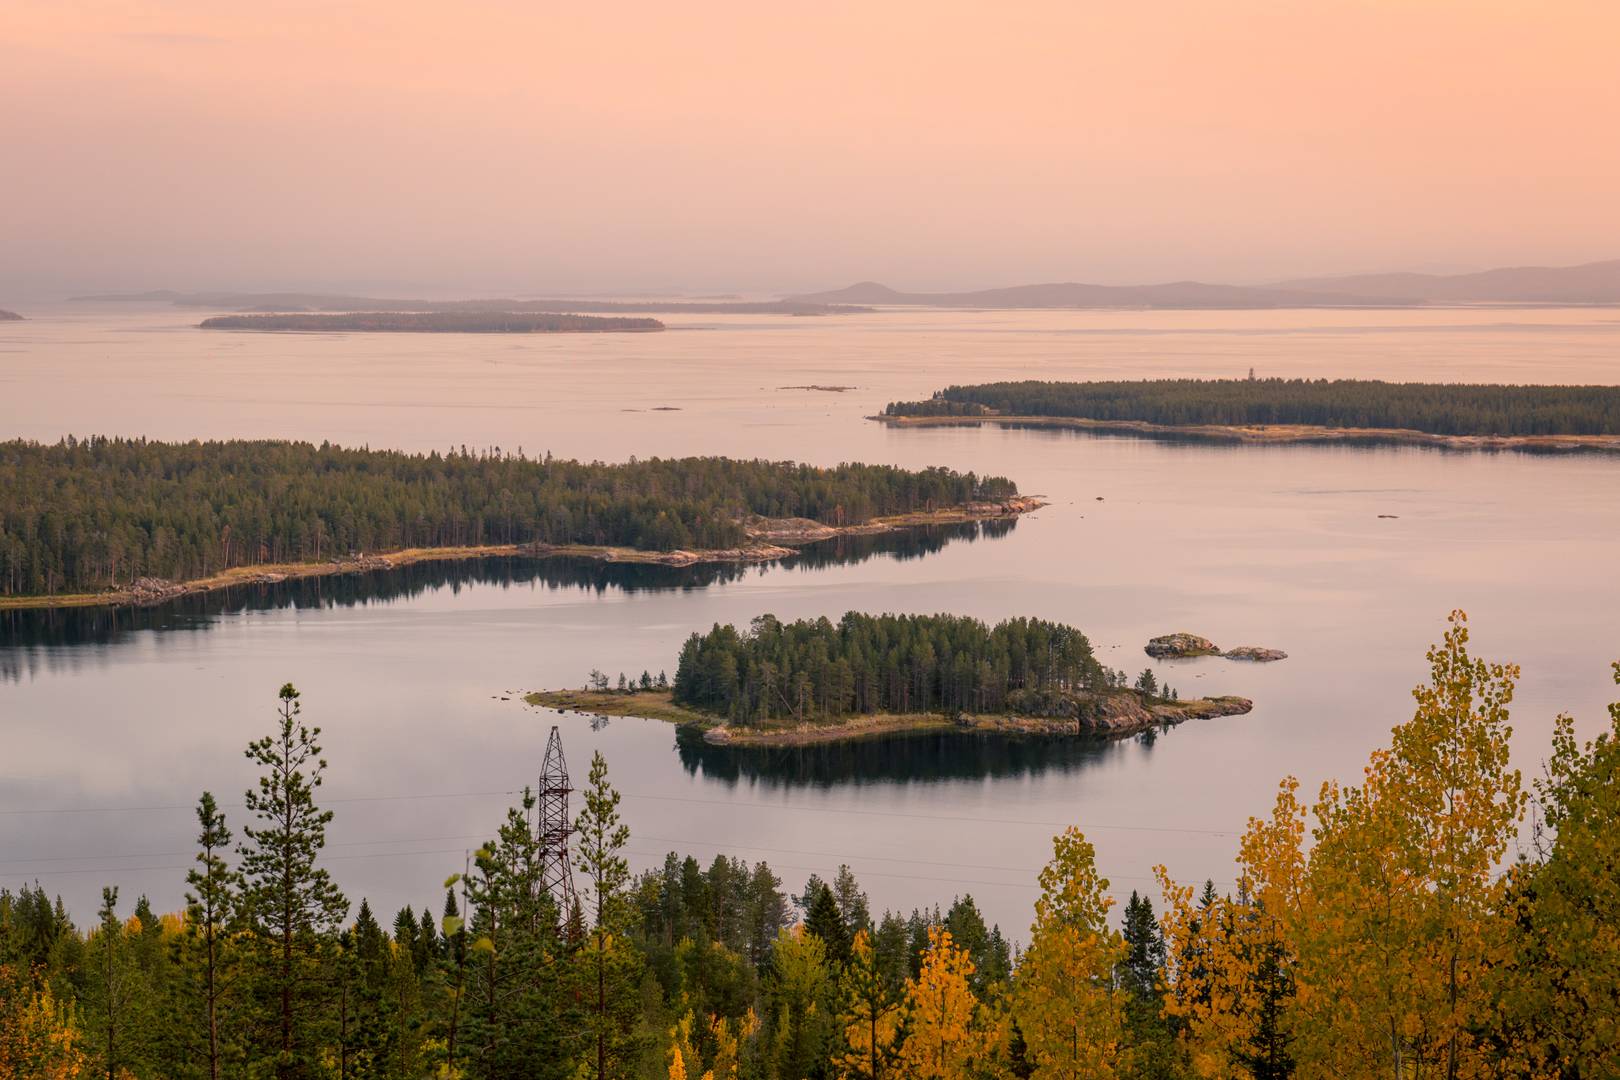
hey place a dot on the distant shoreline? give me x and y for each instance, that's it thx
(1133, 716)
(769, 539)
(433, 322)
(1276, 434)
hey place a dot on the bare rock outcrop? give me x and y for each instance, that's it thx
(1180, 645)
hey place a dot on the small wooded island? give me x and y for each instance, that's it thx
(817, 681)
(435, 322)
(9, 316)
(1454, 415)
(100, 521)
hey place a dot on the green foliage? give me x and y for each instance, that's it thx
(86, 515)
(881, 663)
(1437, 408)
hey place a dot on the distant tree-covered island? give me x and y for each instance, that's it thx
(104, 520)
(1284, 410)
(9, 316)
(814, 680)
(435, 322)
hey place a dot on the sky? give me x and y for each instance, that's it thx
(532, 147)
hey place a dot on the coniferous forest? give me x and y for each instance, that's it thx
(1434, 408)
(84, 515)
(813, 668)
(1443, 919)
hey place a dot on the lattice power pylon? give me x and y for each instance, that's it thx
(554, 825)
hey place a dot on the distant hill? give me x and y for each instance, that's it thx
(435, 322)
(9, 316)
(1068, 294)
(1589, 283)
(302, 301)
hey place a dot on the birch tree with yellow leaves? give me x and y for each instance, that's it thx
(1065, 1000)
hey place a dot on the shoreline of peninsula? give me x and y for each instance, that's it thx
(1275, 434)
(769, 540)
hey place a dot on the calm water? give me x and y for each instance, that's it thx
(112, 723)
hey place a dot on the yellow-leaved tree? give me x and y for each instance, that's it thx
(1405, 916)
(1232, 958)
(945, 1034)
(1065, 1001)
(39, 1035)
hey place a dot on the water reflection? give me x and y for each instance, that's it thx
(918, 757)
(24, 632)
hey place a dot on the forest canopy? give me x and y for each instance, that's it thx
(881, 663)
(82, 515)
(1434, 408)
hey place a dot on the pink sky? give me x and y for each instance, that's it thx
(529, 146)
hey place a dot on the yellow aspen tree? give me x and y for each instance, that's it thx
(1065, 1001)
(39, 1035)
(1407, 912)
(944, 1037)
(869, 1018)
(727, 1049)
(683, 1054)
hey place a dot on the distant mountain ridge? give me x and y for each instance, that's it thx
(1588, 283)
(1071, 294)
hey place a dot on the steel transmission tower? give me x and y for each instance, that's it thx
(556, 872)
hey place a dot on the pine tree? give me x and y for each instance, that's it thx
(869, 1017)
(295, 906)
(211, 912)
(601, 838)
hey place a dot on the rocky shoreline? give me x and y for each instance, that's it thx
(769, 539)
(1111, 714)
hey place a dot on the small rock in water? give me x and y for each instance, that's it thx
(1255, 653)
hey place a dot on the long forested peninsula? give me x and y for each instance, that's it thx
(85, 515)
(816, 680)
(1282, 409)
(435, 322)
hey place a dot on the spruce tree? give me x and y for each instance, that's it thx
(295, 906)
(827, 923)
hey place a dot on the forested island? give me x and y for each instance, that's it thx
(116, 520)
(813, 680)
(1291, 410)
(1378, 929)
(435, 322)
(9, 316)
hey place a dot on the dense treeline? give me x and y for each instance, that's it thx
(1391, 944)
(79, 516)
(1436, 408)
(435, 322)
(881, 663)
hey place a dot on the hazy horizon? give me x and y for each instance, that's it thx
(385, 149)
